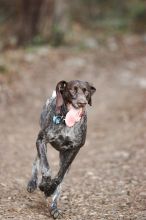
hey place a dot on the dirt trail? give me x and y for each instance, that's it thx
(107, 180)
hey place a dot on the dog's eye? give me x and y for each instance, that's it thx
(85, 91)
(76, 89)
(72, 92)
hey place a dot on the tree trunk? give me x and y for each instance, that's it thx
(29, 16)
(60, 22)
(45, 21)
(48, 18)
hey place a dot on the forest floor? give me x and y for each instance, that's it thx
(107, 180)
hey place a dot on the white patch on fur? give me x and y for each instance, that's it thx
(56, 194)
(54, 94)
(47, 102)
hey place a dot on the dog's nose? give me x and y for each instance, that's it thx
(82, 103)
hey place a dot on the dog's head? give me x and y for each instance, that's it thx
(77, 93)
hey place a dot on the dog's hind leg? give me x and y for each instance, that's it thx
(32, 184)
(54, 211)
(44, 165)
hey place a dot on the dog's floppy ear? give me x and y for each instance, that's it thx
(59, 99)
(91, 90)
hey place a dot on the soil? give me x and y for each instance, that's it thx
(107, 180)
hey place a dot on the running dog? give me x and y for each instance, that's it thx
(63, 124)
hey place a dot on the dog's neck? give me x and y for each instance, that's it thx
(63, 110)
(68, 113)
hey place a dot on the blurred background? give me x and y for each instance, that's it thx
(100, 41)
(56, 22)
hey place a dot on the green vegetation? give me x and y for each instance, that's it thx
(41, 21)
(3, 69)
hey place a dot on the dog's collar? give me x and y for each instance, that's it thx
(58, 119)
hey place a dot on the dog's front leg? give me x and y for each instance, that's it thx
(66, 158)
(44, 165)
(54, 211)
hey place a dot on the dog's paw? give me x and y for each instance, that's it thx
(45, 183)
(31, 186)
(50, 188)
(56, 213)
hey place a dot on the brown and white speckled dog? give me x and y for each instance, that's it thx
(63, 124)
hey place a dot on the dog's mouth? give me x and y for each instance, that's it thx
(74, 115)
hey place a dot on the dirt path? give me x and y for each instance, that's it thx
(107, 180)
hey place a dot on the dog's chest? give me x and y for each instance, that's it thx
(62, 137)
